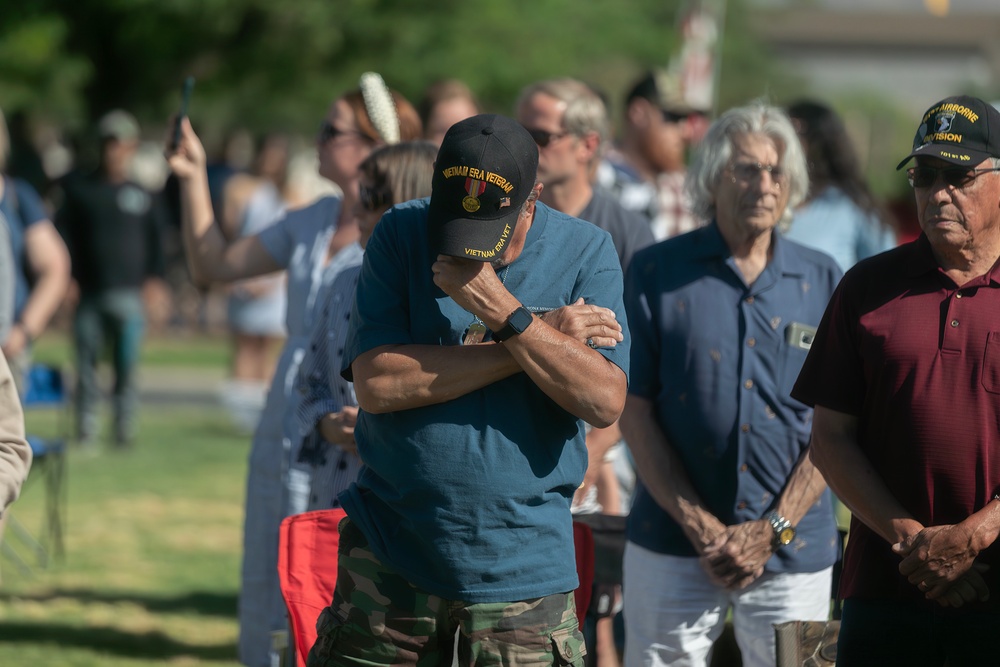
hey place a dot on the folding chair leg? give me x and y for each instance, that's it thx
(56, 492)
(15, 529)
(16, 559)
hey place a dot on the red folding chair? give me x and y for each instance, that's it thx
(307, 571)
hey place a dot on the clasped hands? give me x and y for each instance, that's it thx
(476, 287)
(734, 556)
(941, 562)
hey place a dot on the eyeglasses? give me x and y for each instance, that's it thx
(327, 132)
(923, 176)
(745, 172)
(673, 117)
(372, 199)
(543, 138)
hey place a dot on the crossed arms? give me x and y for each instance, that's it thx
(552, 351)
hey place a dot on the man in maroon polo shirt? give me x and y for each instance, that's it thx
(904, 375)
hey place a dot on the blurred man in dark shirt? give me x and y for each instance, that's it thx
(112, 227)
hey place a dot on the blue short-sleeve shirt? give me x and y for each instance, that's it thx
(22, 209)
(469, 499)
(718, 359)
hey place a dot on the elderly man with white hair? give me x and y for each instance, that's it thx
(730, 513)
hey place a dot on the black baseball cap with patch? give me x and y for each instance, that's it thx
(962, 130)
(484, 172)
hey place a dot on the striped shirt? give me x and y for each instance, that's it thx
(663, 203)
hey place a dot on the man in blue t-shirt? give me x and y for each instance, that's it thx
(485, 331)
(37, 266)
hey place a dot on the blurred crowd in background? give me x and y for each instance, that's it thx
(47, 159)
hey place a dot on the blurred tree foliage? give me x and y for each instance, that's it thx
(261, 64)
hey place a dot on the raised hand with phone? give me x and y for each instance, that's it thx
(314, 244)
(182, 113)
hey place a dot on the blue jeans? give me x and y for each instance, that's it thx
(116, 317)
(887, 632)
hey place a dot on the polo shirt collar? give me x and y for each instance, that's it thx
(922, 261)
(921, 258)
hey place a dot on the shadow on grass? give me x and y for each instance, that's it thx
(112, 641)
(203, 604)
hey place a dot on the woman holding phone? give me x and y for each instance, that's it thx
(313, 244)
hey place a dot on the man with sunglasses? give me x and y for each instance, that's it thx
(904, 374)
(646, 174)
(569, 122)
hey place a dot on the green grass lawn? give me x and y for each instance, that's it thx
(161, 350)
(151, 572)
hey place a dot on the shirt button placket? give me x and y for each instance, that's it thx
(748, 384)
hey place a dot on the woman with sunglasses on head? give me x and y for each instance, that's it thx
(313, 244)
(324, 456)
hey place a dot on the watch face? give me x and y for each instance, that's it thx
(519, 320)
(787, 535)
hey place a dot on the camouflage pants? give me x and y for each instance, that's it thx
(379, 618)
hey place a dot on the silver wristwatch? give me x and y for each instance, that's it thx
(784, 531)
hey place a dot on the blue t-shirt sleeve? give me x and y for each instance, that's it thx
(381, 314)
(603, 287)
(645, 375)
(29, 204)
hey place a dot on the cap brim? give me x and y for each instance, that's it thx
(948, 153)
(479, 240)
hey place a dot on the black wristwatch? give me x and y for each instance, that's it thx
(518, 321)
(784, 531)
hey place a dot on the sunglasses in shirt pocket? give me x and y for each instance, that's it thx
(991, 363)
(800, 335)
(798, 339)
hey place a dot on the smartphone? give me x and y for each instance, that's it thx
(800, 335)
(185, 100)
